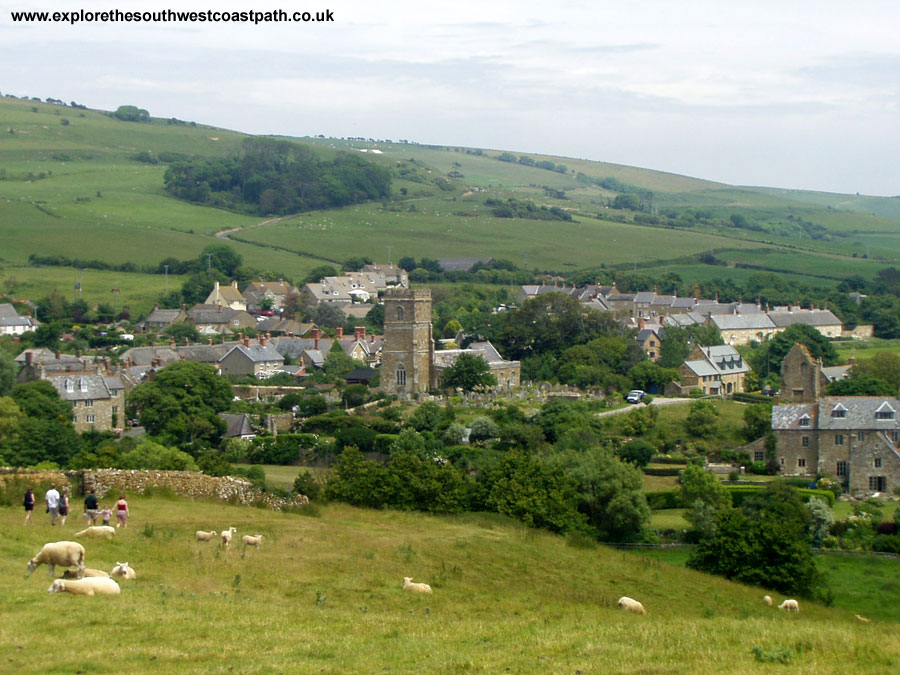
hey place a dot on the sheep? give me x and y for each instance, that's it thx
(226, 536)
(88, 572)
(409, 585)
(97, 531)
(252, 540)
(861, 618)
(630, 605)
(790, 606)
(62, 553)
(124, 571)
(768, 600)
(206, 536)
(89, 586)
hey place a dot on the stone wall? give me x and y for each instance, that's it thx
(39, 480)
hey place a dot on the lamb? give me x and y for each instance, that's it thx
(206, 536)
(88, 572)
(62, 553)
(409, 585)
(97, 531)
(89, 586)
(790, 606)
(630, 605)
(226, 536)
(252, 540)
(124, 571)
(768, 600)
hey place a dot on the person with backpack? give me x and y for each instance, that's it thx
(29, 504)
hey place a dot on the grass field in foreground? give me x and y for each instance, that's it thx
(323, 594)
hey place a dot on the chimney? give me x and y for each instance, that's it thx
(240, 337)
(28, 358)
(234, 284)
(187, 342)
(359, 333)
(263, 340)
(216, 286)
(246, 342)
(78, 353)
(155, 305)
(641, 324)
(58, 355)
(183, 306)
(209, 341)
(314, 334)
(128, 362)
(268, 335)
(371, 338)
(339, 332)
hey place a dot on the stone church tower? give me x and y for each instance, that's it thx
(802, 379)
(408, 352)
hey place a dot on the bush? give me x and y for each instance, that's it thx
(637, 452)
(307, 483)
(666, 499)
(887, 543)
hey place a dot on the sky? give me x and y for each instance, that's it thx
(795, 94)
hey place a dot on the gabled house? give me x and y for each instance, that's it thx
(277, 292)
(98, 402)
(217, 319)
(350, 287)
(238, 426)
(648, 337)
(260, 360)
(716, 371)
(160, 319)
(12, 323)
(227, 296)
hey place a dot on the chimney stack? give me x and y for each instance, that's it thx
(58, 355)
(209, 341)
(28, 359)
(263, 340)
(314, 334)
(359, 333)
(339, 332)
(246, 342)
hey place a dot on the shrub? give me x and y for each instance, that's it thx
(637, 452)
(666, 499)
(483, 429)
(887, 543)
(307, 483)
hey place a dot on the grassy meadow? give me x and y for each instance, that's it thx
(323, 594)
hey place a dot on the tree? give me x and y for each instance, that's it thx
(354, 395)
(767, 359)
(647, 375)
(8, 370)
(326, 315)
(337, 363)
(182, 402)
(131, 113)
(883, 366)
(45, 432)
(468, 372)
(701, 419)
(223, 258)
(822, 519)
(705, 495)
(757, 420)
(318, 273)
(484, 429)
(864, 385)
(182, 331)
(150, 455)
(637, 452)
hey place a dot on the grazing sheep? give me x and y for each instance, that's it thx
(97, 531)
(630, 605)
(124, 571)
(62, 553)
(206, 536)
(768, 600)
(88, 572)
(409, 585)
(252, 540)
(226, 536)
(90, 586)
(790, 606)
(862, 618)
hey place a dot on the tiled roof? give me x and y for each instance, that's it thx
(815, 317)
(742, 322)
(80, 387)
(257, 353)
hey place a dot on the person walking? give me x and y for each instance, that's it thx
(91, 507)
(63, 507)
(52, 499)
(121, 512)
(29, 504)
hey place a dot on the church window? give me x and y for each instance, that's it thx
(400, 314)
(401, 376)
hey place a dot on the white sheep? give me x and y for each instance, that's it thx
(768, 600)
(62, 553)
(630, 605)
(89, 586)
(226, 536)
(252, 540)
(861, 618)
(88, 572)
(790, 606)
(122, 570)
(409, 585)
(206, 536)
(98, 531)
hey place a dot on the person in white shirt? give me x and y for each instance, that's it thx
(52, 499)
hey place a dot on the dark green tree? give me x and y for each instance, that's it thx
(8, 371)
(702, 419)
(757, 420)
(468, 372)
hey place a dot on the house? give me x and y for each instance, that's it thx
(648, 337)
(217, 319)
(98, 402)
(822, 320)
(150, 356)
(388, 275)
(160, 319)
(278, 326)
(716, 371)
(260, 360)
(741, 329)
(276, 292)
(238, 426)
(12, 323)
(351, 287)
(227, 296)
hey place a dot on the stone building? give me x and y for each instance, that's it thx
(98, 402)
(716, 371)
(803, 380)
(409, 363)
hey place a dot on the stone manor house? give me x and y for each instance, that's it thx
(854, 439)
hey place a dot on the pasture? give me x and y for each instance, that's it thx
(323, 594)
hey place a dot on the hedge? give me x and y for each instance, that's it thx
(740, 492)
(663, 470)
(665, 499)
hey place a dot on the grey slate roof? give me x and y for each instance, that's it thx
(143, 356)
(646, 333)
(742, 322)
(787, 416)
(815, 317)
(702, 368)
(204, 353)
(238, 425)
(860, 412)
(487, 350)
(162, 316)
(257, 353)
(644, 297)
(80, 387)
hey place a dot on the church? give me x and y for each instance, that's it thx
(409, 363)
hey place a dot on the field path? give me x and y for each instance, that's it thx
(224, 234)
(655, 401)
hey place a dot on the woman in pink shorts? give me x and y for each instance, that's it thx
(121, 512)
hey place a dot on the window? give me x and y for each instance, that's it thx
(877, 484)
(758, 456)
(401, 376)
(884, 415)
(895, 435)
(82, 384)
(841, 469)
(804, 421)
(115, 408)
(860, 435)
(400, 313)
(782, 461)
(878, 462)
(90, 419)
(839, 439)
(801, 462)
(804, 441)
(74, 419)
(839, 411)
(88, 403)
(70, 386)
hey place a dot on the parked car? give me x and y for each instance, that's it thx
(635, 396)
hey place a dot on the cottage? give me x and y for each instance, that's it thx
(227, 296)
(260, 360)
(98, 402)
(716, 371)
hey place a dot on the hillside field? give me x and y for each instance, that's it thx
(323, 594)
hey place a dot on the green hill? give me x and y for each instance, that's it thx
(323, 594)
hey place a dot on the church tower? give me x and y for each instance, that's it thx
(408, 351)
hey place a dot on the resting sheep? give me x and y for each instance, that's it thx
(206, 536)
(97, 531)
(252, 540)
(226, 536)
(790, 606)
(62, 553)
(122, 570)
(768, 600)
(90, 586)
(630, 605)
(409, 585)
(862, 618)
(88, 572)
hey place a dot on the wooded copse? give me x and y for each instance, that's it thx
(277, 177)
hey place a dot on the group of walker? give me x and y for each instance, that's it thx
(58, 507)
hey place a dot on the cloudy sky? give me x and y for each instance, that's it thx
(798, 94)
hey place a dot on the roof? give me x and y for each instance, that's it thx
(113, 383)
(213, 314)
(742, 321)
(257, 353)
(702, 368)
(7, 310)
(647, 332)
(787, 416)
(644, 297)
(143, 356)
(15, 321)
(860, 412)
(238, 425)
(204, 353)
(810, 317)
(487, 350)
(42, 354)
(163, 316)
(80, 387)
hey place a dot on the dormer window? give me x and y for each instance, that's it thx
(70, 386)
(82, 384)
(839, 411)
(804, 421)
(884, 412)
